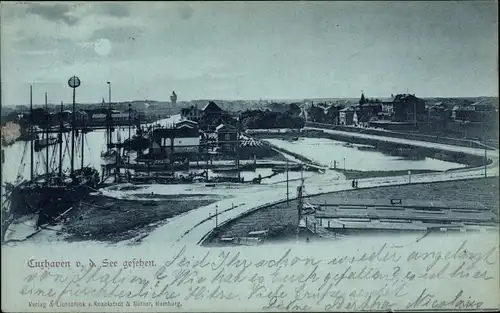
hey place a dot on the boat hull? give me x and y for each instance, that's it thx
(49, 200)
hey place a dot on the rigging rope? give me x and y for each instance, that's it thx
(54, 158)
(22, 167)
(37, 164)
(66, 149)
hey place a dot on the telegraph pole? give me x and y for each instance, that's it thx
(300, 190)
(287, 193)
(485, 151)
(216, 216)
(485, 164)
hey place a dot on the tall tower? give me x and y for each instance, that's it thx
(173, 98)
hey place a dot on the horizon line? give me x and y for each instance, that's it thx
(261, 99)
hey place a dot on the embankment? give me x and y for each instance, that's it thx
(391, 148)
(402, 135)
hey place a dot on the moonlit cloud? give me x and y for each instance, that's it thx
(54, 12)
(248, 50)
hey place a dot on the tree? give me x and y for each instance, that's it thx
(294, 109)
(362, 100)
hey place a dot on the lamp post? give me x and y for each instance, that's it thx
(73, 82)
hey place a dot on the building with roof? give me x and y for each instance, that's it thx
(408, 108)
(211, 115)
(227, 137)
(369, 111)
(478, 111)
(191, 113)
(438, 113)
(180, 141)
(346, 116)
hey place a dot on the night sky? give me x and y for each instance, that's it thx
(251, 50)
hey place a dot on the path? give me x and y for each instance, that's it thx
(182, 229)
(193, 227)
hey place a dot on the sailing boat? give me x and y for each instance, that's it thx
(50, 194)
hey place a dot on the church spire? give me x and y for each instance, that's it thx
(362, 100)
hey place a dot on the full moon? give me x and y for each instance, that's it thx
(102, 47)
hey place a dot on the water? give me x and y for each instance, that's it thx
(326, 151)
(323, 151)
(95, 142)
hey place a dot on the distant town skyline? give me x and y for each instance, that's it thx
(248, 50)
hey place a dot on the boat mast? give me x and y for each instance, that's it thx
(129, 140)
(46, 137)
(82, 135)
(60, 140)
(106, 129)
(110, 138)
(31, 132)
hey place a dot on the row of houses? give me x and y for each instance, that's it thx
(91, 117)
(203, 132)
(402, 108)
(102, 116)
